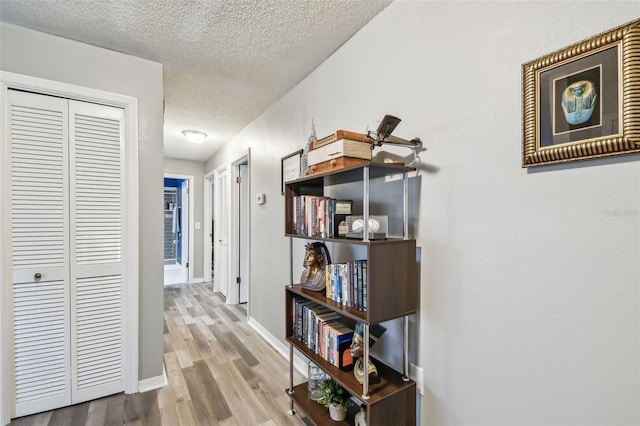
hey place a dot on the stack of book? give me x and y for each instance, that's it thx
(346, 283)
(320, 217)
(321, 330)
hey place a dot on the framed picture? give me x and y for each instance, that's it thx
(290, 168)
(583, 101)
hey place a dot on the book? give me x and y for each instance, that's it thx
(341, 134)
(338, 338)
(338, 149)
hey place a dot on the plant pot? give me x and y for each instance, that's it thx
(337, 412)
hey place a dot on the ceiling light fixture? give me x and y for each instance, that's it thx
(194, 136)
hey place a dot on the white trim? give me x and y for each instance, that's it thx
(153, 382)
(130, 105)
(299, 361)
(207, 214)
(6, 395)
(133, 263)
(191, 180)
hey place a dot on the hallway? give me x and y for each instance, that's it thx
(220, 372)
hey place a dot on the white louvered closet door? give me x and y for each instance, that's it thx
(222, 219)
(96, 144)
(67, 241)
(40, 248)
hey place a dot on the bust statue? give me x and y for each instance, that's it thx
(315, 259)
(357, 352)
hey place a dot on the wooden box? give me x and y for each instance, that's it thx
(335, 164)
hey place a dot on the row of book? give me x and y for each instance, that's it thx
(322, 331)
(346, 283)
(321, 217)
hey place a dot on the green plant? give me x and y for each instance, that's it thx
(333, 393)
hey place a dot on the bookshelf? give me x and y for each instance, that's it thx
(391, 293)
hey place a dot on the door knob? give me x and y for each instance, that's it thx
(37, 276)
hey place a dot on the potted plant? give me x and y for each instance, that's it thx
(335, 397)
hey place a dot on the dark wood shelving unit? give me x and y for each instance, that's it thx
(391, 293)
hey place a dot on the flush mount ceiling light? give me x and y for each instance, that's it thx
(194, 136)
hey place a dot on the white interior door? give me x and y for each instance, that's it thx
(184, 230)
(67, 246)
(243, 247)
(221, 263)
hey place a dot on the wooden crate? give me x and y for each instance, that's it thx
(335, 164)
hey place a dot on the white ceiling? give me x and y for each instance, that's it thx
(225, 61)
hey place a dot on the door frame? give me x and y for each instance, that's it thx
(129, 104)
(191, 224)
(209, 196)
(233, 263)
(244, 214)
(236, 248)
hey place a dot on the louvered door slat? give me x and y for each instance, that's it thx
(41, 348)
(98, 331)
(30, 193)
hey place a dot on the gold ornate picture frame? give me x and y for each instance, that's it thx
(583, 101)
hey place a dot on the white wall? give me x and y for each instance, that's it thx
(529, 279)
(195, 169)
(41, 55)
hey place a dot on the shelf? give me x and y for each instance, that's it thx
(388, 263)
(390, 240)
(390, 380)
(391, 292)
(317, 184)
(352, 174)
(320, 298)
(316, 412)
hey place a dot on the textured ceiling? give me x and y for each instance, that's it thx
(225, 61)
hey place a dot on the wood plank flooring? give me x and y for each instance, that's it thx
(220, 372)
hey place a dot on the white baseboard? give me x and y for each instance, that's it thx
(299, 362)
(153, 382)
(198, 280)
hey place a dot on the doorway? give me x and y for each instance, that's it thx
(227, 208)
(177, 217)
(243, 232)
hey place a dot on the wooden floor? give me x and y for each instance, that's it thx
(220, 372)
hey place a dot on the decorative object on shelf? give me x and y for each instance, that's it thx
(289, 168)
(581, 102)
(383, 136)
(315, 376)
(378, 227)
(357, 351)
(316, 258)
(304, 161)
(336, 398)
(361, 417)
(338, 149)
(341, 134)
